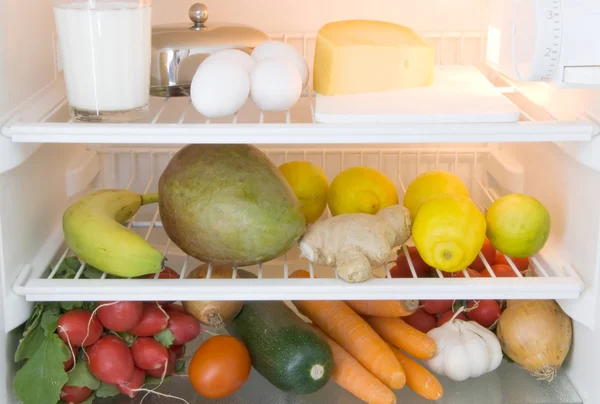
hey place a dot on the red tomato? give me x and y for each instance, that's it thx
(501, 271)
(521, 263)
(489, 252)
(421, 320)
(486, 313)
(219, 367)
(472, 273)
(402, 269)
(444, 318)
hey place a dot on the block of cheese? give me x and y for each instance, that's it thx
(364, 56)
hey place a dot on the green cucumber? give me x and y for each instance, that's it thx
(283, 348)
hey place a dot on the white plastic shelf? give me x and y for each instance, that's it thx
(45, 118)
(139, 170)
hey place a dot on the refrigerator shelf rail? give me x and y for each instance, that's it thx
(139, 170)
(45, 118)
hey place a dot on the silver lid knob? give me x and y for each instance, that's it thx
(198, 13)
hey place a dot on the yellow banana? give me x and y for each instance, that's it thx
(94, 232)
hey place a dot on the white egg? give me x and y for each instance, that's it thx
(233, 55)
(275, 84)
(276, 49)
(220, 88)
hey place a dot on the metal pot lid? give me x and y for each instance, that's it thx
(198, 34)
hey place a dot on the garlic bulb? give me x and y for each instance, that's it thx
(464, 349)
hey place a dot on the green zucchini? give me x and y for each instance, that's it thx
(283, 348)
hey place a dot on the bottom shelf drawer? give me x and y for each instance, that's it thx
(509, 384)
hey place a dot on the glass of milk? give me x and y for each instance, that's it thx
(105, 47)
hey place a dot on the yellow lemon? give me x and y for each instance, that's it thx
(448, 232)
(309, 183)
(518, 225)
(361, 190)
(431, 184)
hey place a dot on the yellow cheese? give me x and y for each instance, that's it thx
(362, 56)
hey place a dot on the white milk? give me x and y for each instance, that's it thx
(106, 54)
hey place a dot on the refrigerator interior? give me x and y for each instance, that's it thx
(47, 161)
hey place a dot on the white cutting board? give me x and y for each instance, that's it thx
(460, 94)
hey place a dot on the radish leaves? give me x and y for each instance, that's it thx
(81, 376)
(42, 377)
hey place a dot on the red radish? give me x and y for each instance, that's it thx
(402, 268)
(110, 360)
(501, 271)
(166, 273)
(134, 383)
(153, 321)
(184, 327)
(436, 306)
(174, 307)
(170, 367)
(68, 364)
(522, 264)
(73, 328)
(444, 318)
(486, 313)
(489, 253)
(74, 394)
(179, 350)
(120, 316)
(148, 353)
(421, 320)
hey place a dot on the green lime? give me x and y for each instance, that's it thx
(518, 225)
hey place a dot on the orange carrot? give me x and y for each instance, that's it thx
(418, 378)
(401, 335)
(352, 376)
(349, 330)
(384, 308)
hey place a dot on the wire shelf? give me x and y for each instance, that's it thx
(139, 169)
(45, 119)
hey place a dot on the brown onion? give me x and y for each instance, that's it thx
(209, 312)
(537, 335)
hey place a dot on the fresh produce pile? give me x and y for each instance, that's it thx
(76, 351)
(497, 262)
(231, 206)
(449, 230)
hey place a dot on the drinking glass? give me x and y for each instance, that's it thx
(105, 49)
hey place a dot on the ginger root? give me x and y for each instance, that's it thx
(356, 242)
